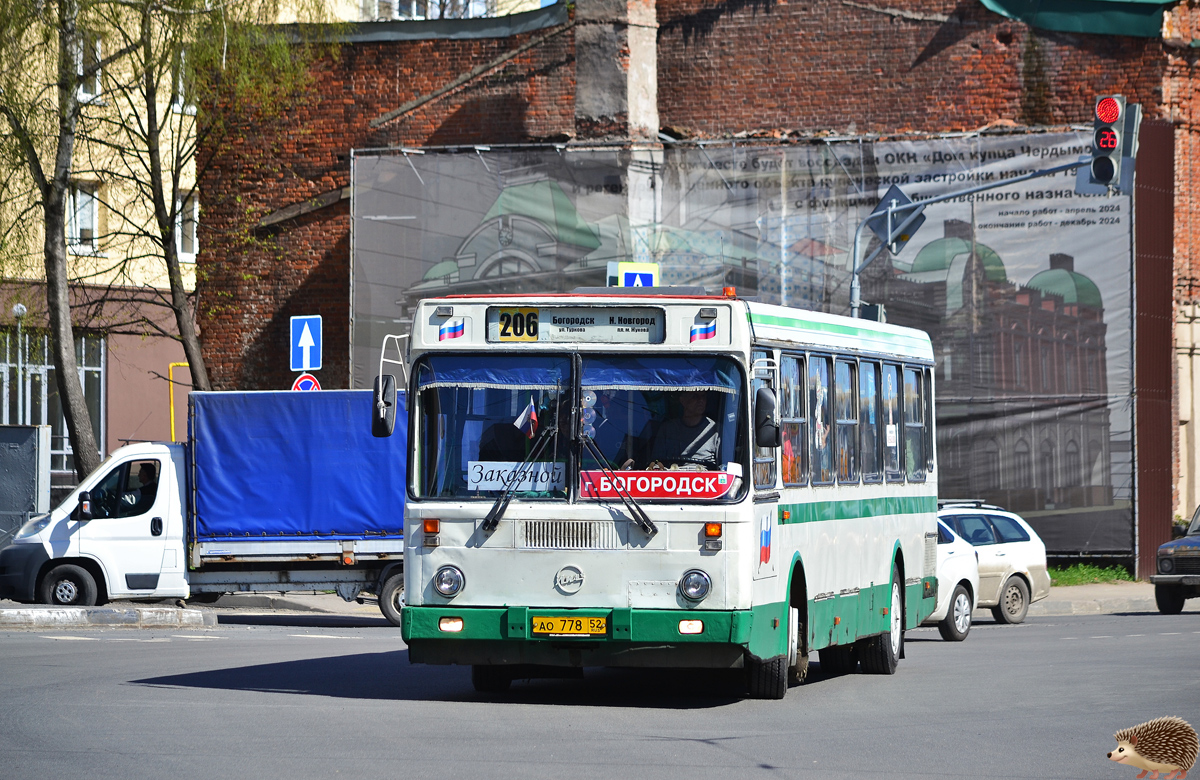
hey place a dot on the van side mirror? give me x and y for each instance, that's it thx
(383, 410)
(83, 511)
(766, 422)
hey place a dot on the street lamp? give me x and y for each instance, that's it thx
(18, 312)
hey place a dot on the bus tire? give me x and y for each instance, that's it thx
(881, 653)
(391, 598)
(1169, 599)
(766, 678)
(490, 679)
(797, 652)
(838, 659)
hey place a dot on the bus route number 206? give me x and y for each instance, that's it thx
(518, 324)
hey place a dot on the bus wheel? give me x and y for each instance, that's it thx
(881, 653)
(391, 598)
(797, 655)
(766, 678)
(490, 679)
(838, 659)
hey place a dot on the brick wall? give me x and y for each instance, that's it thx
(253, 280)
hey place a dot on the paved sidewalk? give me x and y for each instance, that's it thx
(1101, 599)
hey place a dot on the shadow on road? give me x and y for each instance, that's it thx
(389, 675)
(304, 620)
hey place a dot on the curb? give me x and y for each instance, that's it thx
(1093, 607)
(104, 617)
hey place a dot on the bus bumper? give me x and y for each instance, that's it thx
(635, 637)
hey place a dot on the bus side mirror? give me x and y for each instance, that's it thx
(383, 410)
(766, 423)
(83, 511)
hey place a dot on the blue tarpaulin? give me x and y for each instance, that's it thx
(294, 465)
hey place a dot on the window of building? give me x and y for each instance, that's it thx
(795, 424)
(819, 403)
(185, 228)
(871, 458)
(1022, 465)
(30, 388)
(82, 224)
(1019, 358)
(87, 66)
(1046, 470)
(845, 412)
(185, 99)
(1072, 465)
(991, 466)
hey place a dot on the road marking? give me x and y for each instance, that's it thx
(323, 636)
(1170, 633)
(1102, 637)
(1065, 638)
(1135, 635)
(198, 636)
(74, 638)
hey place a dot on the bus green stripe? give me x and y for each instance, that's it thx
(818, 511)
(841, 330)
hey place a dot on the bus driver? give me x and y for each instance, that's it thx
(690, 438)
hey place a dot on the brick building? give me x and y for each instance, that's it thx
(277, 218)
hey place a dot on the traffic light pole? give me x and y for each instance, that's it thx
(911, 211)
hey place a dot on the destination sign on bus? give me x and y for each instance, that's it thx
(570, 324)
(667, 484)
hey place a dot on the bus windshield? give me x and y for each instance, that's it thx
(648, 413)
(479, 417)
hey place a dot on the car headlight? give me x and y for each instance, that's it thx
(695, 585)
(1166, 565)
(448, 581)
(33, 527)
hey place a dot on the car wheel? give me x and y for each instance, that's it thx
(489, 679)
(1014, 602)
(391, 598)
(1169, 598)
(957, 623)
(881, 653)
(797, 654)
(69, 586)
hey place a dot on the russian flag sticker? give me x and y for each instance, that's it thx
(451, 330)
(705, 331)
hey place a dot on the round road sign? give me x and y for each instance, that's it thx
(306, 382)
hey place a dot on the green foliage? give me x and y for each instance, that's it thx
(1087, 574)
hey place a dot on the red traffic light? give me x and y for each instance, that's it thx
(1108, 110)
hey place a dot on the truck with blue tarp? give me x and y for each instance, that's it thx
(272, 491)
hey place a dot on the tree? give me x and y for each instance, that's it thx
(44, 61)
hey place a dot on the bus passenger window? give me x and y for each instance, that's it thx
(846, 416)
(914, 424)
(822, 434)
(930, 449)
(764, 457)
(795, 443)
(892, 466)
(868, 410)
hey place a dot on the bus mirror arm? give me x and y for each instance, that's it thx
(497, 511)
(383, 421)
(766, 419)
(639, 515)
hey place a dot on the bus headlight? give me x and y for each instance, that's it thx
(1165, 565)
(448, 581)
(695, 585)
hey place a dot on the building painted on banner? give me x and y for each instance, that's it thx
(740, 145)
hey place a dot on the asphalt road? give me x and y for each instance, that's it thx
(331, 696)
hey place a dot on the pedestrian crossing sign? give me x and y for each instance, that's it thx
(633, 274)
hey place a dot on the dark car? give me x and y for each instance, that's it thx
(1178, 577)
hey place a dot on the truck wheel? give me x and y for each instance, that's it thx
(1169, 598)
(1014, 602)
(391, 598)
(489, 679)
(68, 585)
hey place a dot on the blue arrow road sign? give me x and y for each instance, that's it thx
(635, 279)
(306, 343)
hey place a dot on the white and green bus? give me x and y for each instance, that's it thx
(615, 479)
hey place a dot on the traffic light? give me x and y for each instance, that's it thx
(1107, 140)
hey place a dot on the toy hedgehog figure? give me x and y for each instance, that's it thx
(1160, 745)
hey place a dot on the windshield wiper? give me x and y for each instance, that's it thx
(497, 511)
(635, 510)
